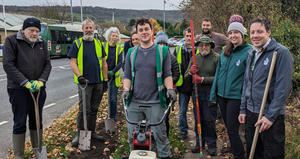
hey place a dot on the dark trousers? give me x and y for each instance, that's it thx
(230, 109)
(23, 105)
(93, 95)
(208, 116)
(270, 143)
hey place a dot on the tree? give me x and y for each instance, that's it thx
(170, 31)
(53, 13)
(131, 22)
(156, 26)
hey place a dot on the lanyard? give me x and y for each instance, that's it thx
(253, 63)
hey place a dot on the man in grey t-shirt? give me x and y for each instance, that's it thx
(142, 86)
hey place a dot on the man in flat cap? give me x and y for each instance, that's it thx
(26, 62)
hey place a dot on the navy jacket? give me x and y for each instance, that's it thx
(255, 83)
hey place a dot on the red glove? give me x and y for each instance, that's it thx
(194, 69)
(197, 79)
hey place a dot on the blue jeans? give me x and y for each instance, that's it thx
(113, 99)
(183, 105)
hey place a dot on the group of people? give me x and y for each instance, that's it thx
(229, 75)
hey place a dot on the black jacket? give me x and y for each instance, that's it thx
(186, 87)
(23, 62)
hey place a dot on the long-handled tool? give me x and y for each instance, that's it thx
(196, 92)
(262, 108)
(85, 135)
(40, 152)
(109, 122)
(152, 29)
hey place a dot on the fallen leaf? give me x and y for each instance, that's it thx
(208, 156)
(106, 149)
(107, 142)
(176, 150)
(93, 147)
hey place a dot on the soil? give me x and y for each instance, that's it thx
(97, 147)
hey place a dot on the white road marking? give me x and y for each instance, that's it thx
(3, 122)
(63, 67)
(49, 105)
(3, 79)
(73, 96)
(3, 75)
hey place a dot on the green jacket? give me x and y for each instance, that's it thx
(230, 74)
(207, 69)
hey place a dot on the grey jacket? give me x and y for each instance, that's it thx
(254, 83)
(23, 62)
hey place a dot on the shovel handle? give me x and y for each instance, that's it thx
(36, 107)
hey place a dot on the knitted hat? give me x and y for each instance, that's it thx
(205, 39)
(236, 26)
(161, 37)
(31, 22)
(236, 18)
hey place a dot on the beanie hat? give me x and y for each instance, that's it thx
(31, 22)
(205, 39)
(236, 18)
(161, 37)
(236, 26)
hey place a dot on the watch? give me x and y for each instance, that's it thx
(125, 88)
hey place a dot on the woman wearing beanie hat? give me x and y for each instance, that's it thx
(161, 38)
(227, 84)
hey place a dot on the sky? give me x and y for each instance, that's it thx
(118, 4)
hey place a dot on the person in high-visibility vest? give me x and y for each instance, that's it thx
(114, 58)
(89, 66)
(184, 54)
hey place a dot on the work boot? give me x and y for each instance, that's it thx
(196, 149)
(239, 157)
(91, 120)
(181, 136)
(226, 150)
(212, 151)
(18, 143)
(165, 157)
(75, 141)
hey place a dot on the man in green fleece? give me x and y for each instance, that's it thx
(202, 73)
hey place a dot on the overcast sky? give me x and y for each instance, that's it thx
(119, 4)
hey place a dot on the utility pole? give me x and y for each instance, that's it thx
(164, 15)
(71, 12)
(113, 18)
(4, 20)
(81, 11)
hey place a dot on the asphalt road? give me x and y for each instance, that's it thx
(61, 96)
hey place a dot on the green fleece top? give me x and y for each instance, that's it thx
(230, 74)
(207, 69)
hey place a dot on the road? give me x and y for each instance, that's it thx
(61, 96)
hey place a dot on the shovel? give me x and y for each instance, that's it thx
(40, 152)
(85, 135)
(109, 123)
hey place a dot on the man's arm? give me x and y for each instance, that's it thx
(74, 67)
(47, 67)
(168, 82)
(104, 68)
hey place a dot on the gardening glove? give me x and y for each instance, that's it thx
(28, 86)
(171, 94)
(197, 79)
(105, 87)
(82, 80)
(36, 85)
(125, 95)
(193, 69)
(110, 75)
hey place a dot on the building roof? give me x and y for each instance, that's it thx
(12, 19)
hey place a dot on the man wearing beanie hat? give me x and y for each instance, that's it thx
(26, 62)
(161, 38)
(220, 40)
(204, 77)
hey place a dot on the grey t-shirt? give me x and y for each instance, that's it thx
(145, 83)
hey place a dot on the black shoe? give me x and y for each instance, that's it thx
(196, 149)
(226, 150)
(212, 151)
(97, 137)
(127, 157)
(181, 136)
(165, 157)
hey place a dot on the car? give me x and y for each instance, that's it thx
(1, 48)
